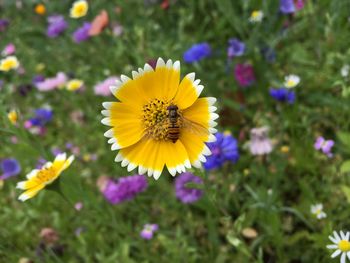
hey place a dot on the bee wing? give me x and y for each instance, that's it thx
(194, 127)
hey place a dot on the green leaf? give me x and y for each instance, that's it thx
(344, 137)
(346, 191)
(345, 167)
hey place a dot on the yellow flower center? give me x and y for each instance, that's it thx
(156, 119)
(344, 245)
(46, 175)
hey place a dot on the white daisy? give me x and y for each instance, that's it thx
(318, 211)
(256, 16)
(291, 81)
(341, 245)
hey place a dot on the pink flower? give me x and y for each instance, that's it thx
(260, 144)
(102, 88)
(9, 50)
(52, 83)
(299, 4)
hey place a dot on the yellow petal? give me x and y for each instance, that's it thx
(148, 84)
(188, 91)
(152, 155)
(126, 122)
(30, 193)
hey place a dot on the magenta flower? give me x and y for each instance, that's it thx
(244, 74)
(324, 145)
(125, 188)
(102, 88)
(148, 231)
(10, 49)
(187, 194)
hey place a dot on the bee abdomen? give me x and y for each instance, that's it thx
(173, 133)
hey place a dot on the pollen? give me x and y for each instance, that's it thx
(46, 175)
(156, 119)
(344, 245)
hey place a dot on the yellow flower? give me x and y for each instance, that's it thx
(160, 121)
(40, 9)
(74, 84)
(38, 179)
(284, 149)
(12, 116)
(9, 63)
(79, 9)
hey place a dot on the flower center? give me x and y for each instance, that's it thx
(46, 175)
(344, 245)
(156, 119)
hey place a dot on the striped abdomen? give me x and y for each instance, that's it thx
(173, 132)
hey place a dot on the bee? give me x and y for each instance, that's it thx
(177, 121)
(174, 128)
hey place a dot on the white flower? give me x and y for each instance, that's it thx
(345, 71)
(291, 81)
(341, 245)
(318, 211)
(256, 16)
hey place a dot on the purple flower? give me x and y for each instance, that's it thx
(244, 74)
(324, 145)
(9, 167)
(37, 79)
(224, 149)
(148, 231)
(124, 188)
(103, 89)
(57, 25)
(283, 95)
(82, 33)
(260, 144)
(184, 193)
(287, 6)
(197, 52)
(4, 23)
(235, 48)
(42, 117)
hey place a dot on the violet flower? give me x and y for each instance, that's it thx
(148, 231)
(125, 188)
(186, 194)
(82, 33)
(324, 145)
(57, 25)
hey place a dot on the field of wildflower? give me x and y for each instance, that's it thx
(174, 131)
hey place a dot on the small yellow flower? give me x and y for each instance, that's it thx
(40, 9)
(40, 67)
(74, 84)
(256, 16)
(79, 9)
(285, 149)
(1, 184)
(38, 179)
(9, 63)
(12, 116)
(291, 81)
(246, 172)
